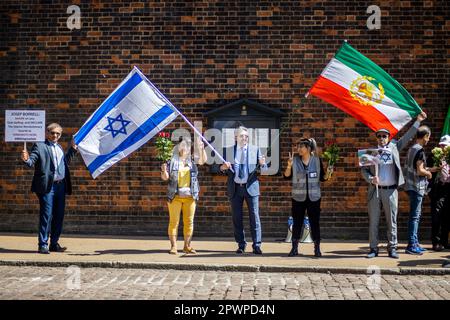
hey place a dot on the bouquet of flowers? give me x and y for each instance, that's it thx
(331, 155)
(164, 146)
(438, 156)
(447, 154)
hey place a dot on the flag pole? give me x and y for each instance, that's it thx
(376, 174)
(182, 116)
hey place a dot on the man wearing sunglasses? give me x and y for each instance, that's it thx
(51, 183)
(389, 178)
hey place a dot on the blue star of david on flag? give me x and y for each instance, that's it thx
(122, 129)
(133, 113)
(385, 157)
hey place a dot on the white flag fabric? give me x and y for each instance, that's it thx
(370, 157)
(131, 115)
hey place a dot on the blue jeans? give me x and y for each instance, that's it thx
(51, 214)
(237, 203)
(415, 205)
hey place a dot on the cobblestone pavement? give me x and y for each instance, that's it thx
(28, 282)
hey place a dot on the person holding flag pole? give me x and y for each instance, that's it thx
(131, 115)
(359, 87)
(243, 185)
(181, 172)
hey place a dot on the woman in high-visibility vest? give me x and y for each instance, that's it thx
(306, 171)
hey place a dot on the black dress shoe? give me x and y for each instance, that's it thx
(257, 250)
(317, 252)
(57, 248)
(43, 250)
(293, 252)
(240, 250)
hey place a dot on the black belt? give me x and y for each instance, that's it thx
(58, 182)
(394, 186)
(241, 184)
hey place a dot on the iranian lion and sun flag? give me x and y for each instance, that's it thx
(359, 87)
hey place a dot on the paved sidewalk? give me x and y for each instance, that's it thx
(57, 283)
(214, 254)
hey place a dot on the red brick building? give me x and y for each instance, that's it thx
(203, 55)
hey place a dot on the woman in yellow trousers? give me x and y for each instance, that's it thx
(183, 189)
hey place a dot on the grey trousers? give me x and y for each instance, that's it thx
(388, 198)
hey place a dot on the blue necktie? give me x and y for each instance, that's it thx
(242, 165)
(60, 167)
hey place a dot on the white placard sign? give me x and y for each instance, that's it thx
(24, 125)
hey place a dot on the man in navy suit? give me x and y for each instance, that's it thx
(51, 183)
(243, 185)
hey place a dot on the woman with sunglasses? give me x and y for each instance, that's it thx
(306, 171)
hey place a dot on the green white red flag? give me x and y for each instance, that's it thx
(359, 87)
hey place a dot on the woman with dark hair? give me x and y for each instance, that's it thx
(306, 171)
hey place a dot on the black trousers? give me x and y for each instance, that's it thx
(312, 208)
(440, 214)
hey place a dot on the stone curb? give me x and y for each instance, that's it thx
(226, 267)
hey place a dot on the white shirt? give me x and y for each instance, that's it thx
(237, 159)
(58, 156)
(386, 169)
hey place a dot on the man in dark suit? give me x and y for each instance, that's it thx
(51, 183)
(243, 185)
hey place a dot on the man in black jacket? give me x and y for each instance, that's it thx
(51, 183)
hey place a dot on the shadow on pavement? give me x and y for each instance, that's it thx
(416, 263)
(350, 252)
(117, 251)
(2, 250)
(246, 255)
(228, 254)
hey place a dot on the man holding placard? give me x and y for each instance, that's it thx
(51, 183)
(387, 177)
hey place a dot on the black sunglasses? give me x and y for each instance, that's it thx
(382, 136)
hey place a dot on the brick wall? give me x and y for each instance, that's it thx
(204, 54)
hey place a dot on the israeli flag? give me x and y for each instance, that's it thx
(127, 119)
